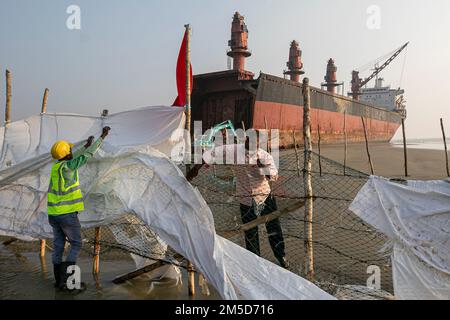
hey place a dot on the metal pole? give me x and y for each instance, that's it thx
(367, 146)
(44, 101)
(8, 98)
(405, 150)
(445, 147)
(308, 227)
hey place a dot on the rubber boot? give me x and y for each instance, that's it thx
(57, 274)
(65, 275)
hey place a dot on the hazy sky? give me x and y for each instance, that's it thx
(125, 54)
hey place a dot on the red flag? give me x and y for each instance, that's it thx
(180, 101)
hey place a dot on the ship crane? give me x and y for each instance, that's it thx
(358, 83)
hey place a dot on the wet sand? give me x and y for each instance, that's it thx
(24, 276)
(388, 160)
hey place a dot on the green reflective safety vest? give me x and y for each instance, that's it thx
(62, 199)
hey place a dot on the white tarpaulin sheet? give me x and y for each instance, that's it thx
(416, 217)
(130, 174)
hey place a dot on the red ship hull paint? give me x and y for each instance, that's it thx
(287, 118)
(236, 96)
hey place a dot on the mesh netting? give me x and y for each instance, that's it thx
(343, 245)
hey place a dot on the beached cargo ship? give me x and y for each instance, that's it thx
(276, 103)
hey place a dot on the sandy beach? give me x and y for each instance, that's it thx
(388, 160)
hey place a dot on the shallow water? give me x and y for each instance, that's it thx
(23, 276)
(428, 144)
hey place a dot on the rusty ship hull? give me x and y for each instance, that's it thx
(275, 103)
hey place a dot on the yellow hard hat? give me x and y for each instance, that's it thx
(61, 149)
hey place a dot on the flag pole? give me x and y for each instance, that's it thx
(188, 77)
(190, 266)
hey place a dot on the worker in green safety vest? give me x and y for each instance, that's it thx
(65, 201)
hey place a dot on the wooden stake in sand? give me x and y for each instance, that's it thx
(9, 241)
(44, 101)
(296, 153)
(367, 146)
(96, 259)
(191, 273)
(405, 150)
(268, 135)
(43, 110)
(318, 145)
(445, 147)
(308, 227)
(8, 98)
(42, 243)
(203, 284)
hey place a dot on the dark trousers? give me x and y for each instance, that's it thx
(273, 228)
(65, 226)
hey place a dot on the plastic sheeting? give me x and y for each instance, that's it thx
(416, 217)
(128, 175)
(28, 138)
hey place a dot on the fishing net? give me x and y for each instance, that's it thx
(346, 250)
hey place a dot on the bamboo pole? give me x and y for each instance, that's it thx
(42, 243)
(320, 153)
(8, 98)
(138, 272)
(191, 279)
(43, 267)
(308, 227)
(268, 135)
(228, 234)
(9, 241)
(445, 147)
(405, 150)
(44, 101)
(243, 125)
(96, 259)
(203, 284)
(190, 266)
(188, 77)
(43, 110)
(367, 146)
(345, 142)
(296, 153)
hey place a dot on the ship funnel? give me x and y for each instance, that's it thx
(238, 43)
(330, 77)
(294, 64)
